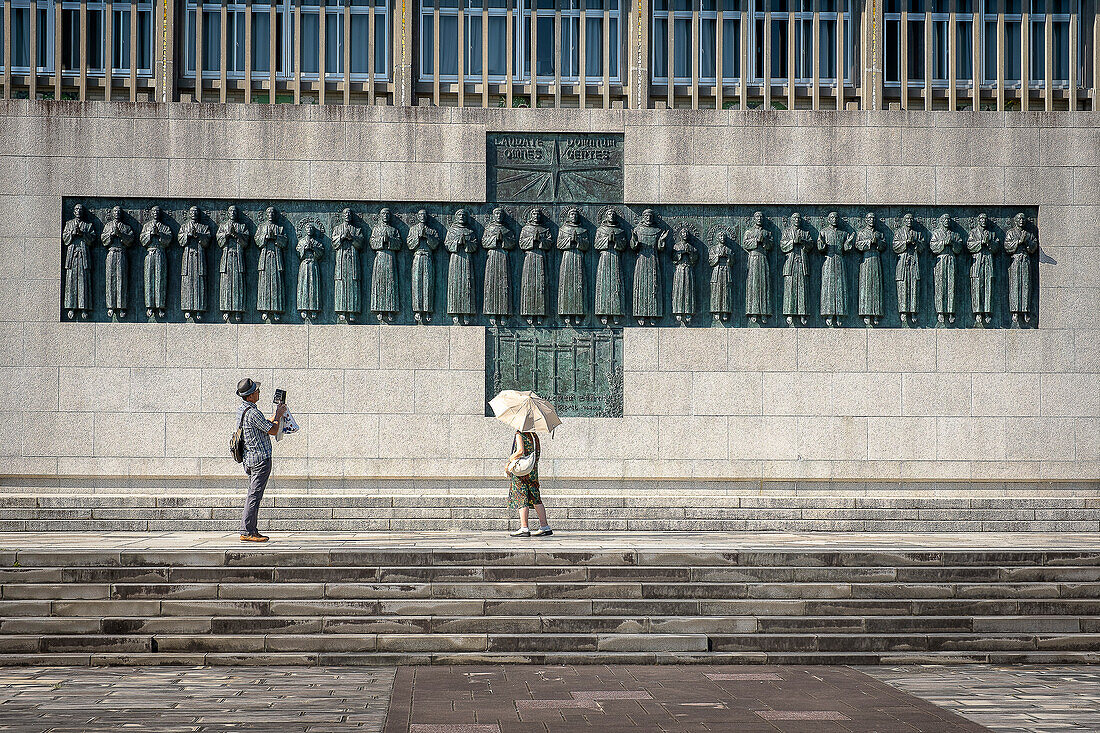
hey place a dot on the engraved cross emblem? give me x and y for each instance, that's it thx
(555, 177)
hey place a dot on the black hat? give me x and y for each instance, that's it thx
(246, 387)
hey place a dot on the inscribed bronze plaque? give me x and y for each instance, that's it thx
(554, 168)
(579, 370)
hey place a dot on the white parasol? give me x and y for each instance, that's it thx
(525, 411)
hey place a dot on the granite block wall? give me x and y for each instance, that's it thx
(852, 404)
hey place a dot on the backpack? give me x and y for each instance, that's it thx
(236, 443)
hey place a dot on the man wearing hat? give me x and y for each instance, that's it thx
(256, 431)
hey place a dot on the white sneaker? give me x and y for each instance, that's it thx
(521, 532)
(542, 532)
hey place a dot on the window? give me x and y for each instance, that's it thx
(309, 41)
(1013, 42)
(120, 53)
(926, 28)
(774, 14)
(94, 34)
(485, 39)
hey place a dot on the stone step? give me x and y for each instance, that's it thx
(580, 506)
(375, 659)
(563, 602)
(519, 607)
(1069, 579)
(491, 498)
(547, 556)
(439, 643)
(578, 624)
(517, 589)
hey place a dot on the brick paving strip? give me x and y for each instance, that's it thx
(672, 699)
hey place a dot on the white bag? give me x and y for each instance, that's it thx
(524, 465)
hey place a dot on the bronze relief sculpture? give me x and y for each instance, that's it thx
(347, 270)
(907, 245)
(610, 242)
(194, 237)
(795, 244)
(534, 240)
(461, 243)
(385, 242)
(648, 240)
(981, 244)
(310, 251)
(1020, 245)
(77, 237)
(572, 243)
(720, 257)
(423, 241)
(233, 238)
(467, 301)
(497, 241)
(271, 240)
(946, 245)
(757, 242)
(833, 242)
(155, 237)
(117, 237)
(684, 258)
(871, 242)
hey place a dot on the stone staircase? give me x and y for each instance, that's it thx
(540, 601)
(575, 505)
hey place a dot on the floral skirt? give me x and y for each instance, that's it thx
(524, 492)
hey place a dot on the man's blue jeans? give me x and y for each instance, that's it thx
(257, 482)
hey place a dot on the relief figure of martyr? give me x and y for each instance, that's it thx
(423, 241)
(907, 245)
(795, 244)
(648, 240)
(684, 258)
(155, 238)
(116, 236)
(78, 236)
(385, 242)
(1020, 245)
(534, 239)
(572, 243)
(946, 245)
(758, 290)
(720, 257)
(981, 244)
(347, 273)
(872, 243)
(194, 237)
(232, 239)
(272, 240)
(610, 243)
(497, 241)
(310, 250)
(461, 243)
(834, 242)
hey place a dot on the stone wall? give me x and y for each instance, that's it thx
(137, 400)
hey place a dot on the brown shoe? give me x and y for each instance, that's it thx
(253, 538)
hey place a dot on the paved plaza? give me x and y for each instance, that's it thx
(560, 699)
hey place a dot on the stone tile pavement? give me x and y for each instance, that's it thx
(288, 699)
(650, 541)
(1006, 699)
(640, 699)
